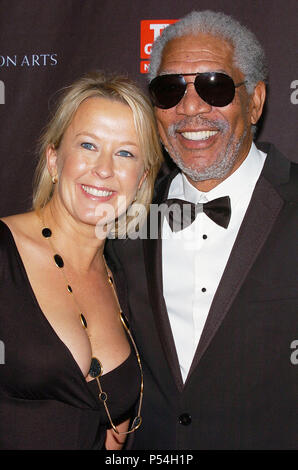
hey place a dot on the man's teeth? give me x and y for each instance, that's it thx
(201, 135)
(96, 192)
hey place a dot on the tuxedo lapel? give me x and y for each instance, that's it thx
(260, 217)
(153, 265)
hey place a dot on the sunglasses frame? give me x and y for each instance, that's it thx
(196, 74)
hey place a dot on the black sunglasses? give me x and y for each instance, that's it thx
(215, 88)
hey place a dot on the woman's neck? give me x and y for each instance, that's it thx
(74, 240)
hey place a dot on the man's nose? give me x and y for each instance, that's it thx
(104, 165)
(192, 104)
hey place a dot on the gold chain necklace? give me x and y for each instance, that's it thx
(96, 368)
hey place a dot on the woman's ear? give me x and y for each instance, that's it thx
(51, 154)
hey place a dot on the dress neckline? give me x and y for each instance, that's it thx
(44, 319)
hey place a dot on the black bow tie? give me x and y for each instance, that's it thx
(183, 213)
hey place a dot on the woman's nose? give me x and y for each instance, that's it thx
(104, 166)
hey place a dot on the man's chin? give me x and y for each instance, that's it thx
(196, 158)
(197, 171)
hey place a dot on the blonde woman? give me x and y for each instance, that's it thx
(73, 377)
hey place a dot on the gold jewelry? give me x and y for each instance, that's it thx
(96, 368)
(54, 179)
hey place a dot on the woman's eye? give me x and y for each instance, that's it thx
(88, 146)
(125, 153)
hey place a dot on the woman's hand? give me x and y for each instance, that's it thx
(115, 441)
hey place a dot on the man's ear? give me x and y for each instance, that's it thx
(145, 174)
(257, 102)
(51, 154)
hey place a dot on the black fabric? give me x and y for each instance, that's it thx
(242, 388)
(45, 401)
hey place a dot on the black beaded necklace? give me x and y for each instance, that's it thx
(96, 368)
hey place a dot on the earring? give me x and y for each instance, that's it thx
(54, 179)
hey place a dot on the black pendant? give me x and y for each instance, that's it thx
(83, 320)
(46, 232)
(59, 261)
(69, 288)
(95, 368)
(124, 320)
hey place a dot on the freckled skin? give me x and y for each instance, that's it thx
(204, 53)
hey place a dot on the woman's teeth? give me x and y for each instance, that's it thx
(200, 135)
(96, 192)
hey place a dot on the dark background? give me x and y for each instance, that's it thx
(85, 35)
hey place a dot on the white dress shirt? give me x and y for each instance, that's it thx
(193, 260)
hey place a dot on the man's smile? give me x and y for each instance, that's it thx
(198, 135)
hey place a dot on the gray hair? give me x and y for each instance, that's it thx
(249, 55)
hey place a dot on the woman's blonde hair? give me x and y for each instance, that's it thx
(113, 87)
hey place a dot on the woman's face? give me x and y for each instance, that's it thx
(99, 163)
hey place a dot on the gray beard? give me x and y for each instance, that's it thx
(225, 160)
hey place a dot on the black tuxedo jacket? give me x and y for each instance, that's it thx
(242, 388)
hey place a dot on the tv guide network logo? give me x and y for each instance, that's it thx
(150, 30)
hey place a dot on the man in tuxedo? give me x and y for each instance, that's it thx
(213, 300)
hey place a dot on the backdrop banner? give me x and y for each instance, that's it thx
(46, 45)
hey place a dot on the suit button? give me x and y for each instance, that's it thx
(185, 419)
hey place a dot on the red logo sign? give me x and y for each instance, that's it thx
(150, 30)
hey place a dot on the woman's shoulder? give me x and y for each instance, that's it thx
(12, 228)
(5, 235)
(6, 248)
(19, 225)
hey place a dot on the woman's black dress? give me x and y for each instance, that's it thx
(45, 401)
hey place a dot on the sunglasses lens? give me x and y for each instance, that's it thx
(167, 90)
(216, 89)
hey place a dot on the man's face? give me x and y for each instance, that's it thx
(208, 143)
